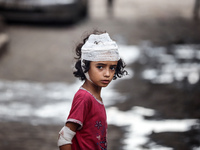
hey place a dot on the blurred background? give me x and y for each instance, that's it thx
(155, 107)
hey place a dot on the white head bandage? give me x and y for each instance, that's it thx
(100, 48)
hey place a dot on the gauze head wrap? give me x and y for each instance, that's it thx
(100, 48)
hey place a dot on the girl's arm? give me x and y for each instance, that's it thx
(66, 147)
(73, 127)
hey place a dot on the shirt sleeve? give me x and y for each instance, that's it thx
(80, 108)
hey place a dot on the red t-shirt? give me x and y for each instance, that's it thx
(90, 114)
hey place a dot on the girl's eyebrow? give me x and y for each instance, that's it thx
(102, 64)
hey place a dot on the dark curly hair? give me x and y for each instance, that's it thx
(119, 72)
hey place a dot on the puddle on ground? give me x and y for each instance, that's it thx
(49, 103)
(175, 64)
(139, 128)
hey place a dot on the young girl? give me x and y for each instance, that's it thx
(98, 63)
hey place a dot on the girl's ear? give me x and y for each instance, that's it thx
(86, 65)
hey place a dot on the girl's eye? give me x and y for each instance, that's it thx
(99, 67)
(112, 68)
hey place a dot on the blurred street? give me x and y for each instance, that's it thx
(39, 55)
(50, 49)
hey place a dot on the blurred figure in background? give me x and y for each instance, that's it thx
(196, 10)
(110, 7)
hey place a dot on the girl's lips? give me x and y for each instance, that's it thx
(105, 81)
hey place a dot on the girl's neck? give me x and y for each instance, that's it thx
(92, 88)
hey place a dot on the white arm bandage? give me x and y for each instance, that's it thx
(65, 136)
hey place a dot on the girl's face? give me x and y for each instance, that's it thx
(101, 72)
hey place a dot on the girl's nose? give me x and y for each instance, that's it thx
(107, 72)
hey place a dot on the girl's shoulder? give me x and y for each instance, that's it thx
(83, 94)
